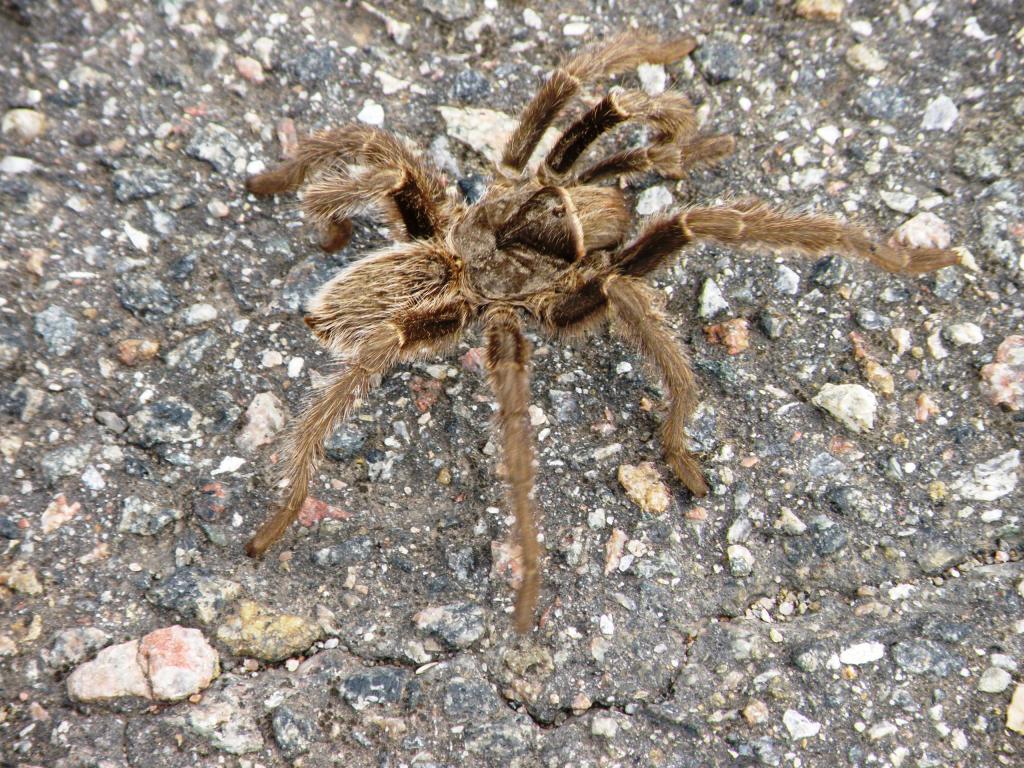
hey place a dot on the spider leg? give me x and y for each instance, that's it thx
(637, 321)
(673, 161)
(408, 336)
(670, 113)
(354, 167)
(508, 357)
(620, 53)
(393, 305)
(750, 223)
(644, 326)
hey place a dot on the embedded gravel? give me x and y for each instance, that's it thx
(845, 595)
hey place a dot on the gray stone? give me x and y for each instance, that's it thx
(141, 182)
(294, 731)
(712, 302)
(219, 147)
(882, 102)
(381, 685)
(144, 296)
(164, 421)
(719, 61)
(457, 625)
(145, 518)
(830, 271)
(194, 594)
(919, 657)
(65, 461)
(450, 10)
(58, 329)
(75, 645)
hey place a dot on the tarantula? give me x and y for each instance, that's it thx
(545, 247)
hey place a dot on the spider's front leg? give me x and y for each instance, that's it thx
(508, 358)
(393, 306)
(616, 55)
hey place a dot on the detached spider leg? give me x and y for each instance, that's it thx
(508, 358)
(618, 54)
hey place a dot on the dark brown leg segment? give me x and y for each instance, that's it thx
(674, 161)
(618, 54)
(508, 358)
(753, 223)
(641, 324)
(670, 113)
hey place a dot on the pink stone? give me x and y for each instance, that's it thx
(250, 69)
(58, 513)
(179, 662)
(926, 230)
(1002, 381)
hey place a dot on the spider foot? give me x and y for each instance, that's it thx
(688, 470)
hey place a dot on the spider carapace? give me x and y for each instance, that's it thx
(546, 247)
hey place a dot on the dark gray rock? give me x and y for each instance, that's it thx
(380, 685)
(294, 731)
(164, 421)
(219, 147)
(830, 271)
(466, 699)
(144, 296)
(719, 61)
(882, 103)
(346, 441)
(141, 182)
(457, 625)
(919, 657)
(352, 551)
(470, 87)
(145, 518)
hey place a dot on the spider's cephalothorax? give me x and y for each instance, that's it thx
(548, 248)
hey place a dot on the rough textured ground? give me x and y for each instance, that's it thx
(875, 615)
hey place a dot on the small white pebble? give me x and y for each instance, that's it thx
(217, 208)
(940, 114)
(197, 314)
(372, 113)
(532, 19)
(964, 334)
(829, 134)
(575, 29)
(295, 367)
(271, 358)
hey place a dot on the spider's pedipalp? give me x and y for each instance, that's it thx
(508, 359)
(639, 323)
(615, 55)
(753, 223)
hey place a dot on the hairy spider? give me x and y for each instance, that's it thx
(544, 247)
